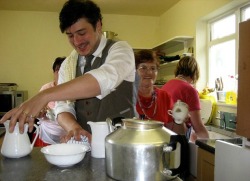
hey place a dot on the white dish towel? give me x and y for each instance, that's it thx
(84, 141)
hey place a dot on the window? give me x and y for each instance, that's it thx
(222, 48)
(218, 29)
(245, 13)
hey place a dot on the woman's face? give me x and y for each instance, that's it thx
(83, 37)
(148, 73)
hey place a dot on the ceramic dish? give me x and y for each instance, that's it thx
(64, 155)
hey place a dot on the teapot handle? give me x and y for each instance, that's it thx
(34, 140)
(170, 112)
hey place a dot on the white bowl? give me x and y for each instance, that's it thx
(64, 155)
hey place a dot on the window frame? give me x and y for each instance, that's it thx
(238, 12)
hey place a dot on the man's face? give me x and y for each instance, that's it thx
(83, 37)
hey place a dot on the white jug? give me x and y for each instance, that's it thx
(16, 145)
(99, 132)
(179, 112)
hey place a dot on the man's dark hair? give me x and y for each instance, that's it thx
(73, 10)
(57, 63)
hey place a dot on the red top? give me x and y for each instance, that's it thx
(181, 90)
(159, 111)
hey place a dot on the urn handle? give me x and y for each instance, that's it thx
(182, 169)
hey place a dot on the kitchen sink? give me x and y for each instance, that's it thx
(219, 133)
(215, 133)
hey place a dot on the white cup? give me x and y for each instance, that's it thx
(179, 112)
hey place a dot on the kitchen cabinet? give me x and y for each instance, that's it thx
(243, 122)
(205, 165)
(175, 46)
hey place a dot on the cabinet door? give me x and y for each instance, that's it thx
(205, 166)
(243, 121)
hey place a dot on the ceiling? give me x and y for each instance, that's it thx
(124, 7)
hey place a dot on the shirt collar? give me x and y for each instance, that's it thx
(98, 52)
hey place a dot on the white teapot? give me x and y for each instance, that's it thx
(16, 145)
(179, 112)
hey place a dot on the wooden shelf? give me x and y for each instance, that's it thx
(169, 64)
(177, 45)
(172, 47)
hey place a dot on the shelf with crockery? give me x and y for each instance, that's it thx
(171, 50)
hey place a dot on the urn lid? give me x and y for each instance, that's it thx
(141, 124)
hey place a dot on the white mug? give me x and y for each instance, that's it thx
(179, 112)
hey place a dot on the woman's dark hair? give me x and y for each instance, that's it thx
(73, 10)
(144, 56)
(188, 66)
(57, 63)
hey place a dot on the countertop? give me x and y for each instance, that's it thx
(35, 167)
(209, 144)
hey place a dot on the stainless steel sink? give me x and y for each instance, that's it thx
(219, 133)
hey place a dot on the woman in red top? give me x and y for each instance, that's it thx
(152, 102)
(181, 88)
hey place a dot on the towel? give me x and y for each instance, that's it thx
(84, 141)
(70, 68)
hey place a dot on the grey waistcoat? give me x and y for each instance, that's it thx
(118, 103)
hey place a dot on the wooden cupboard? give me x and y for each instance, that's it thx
(243, 118)
(205, 165)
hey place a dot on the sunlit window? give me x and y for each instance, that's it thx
(222, 63)
(223, 47)
(245, 13)
(223, 27)
(222, 52)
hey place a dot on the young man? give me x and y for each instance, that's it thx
(104, 91)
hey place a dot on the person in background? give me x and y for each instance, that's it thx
(182, 88)
(89, 89)
(46, 118)
(56, 66)
(152, 103)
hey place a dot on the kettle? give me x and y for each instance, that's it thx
(16, 145)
